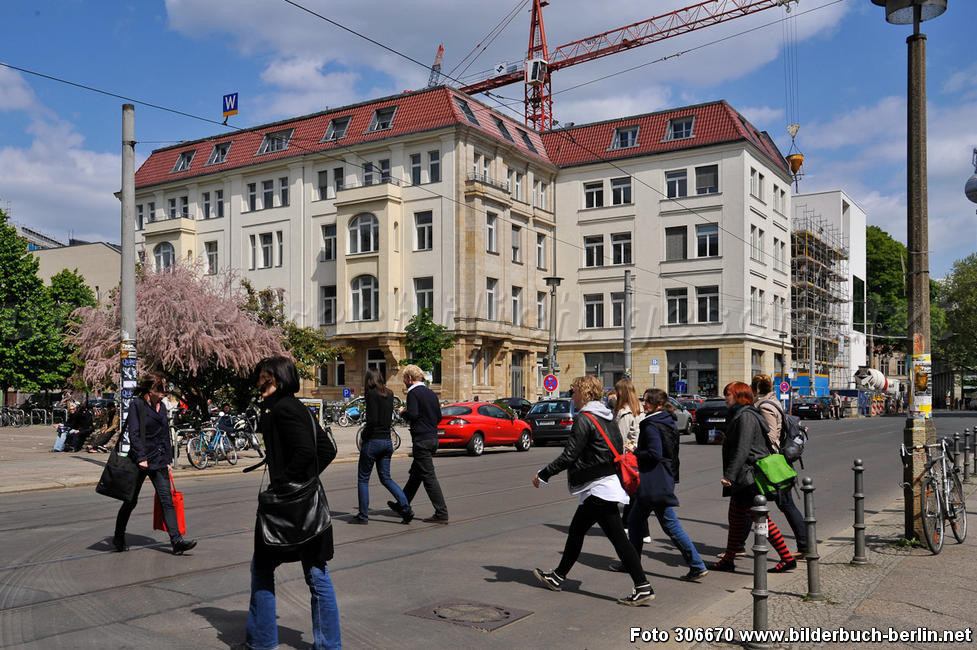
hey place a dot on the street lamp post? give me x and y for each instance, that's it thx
(919, 424)
(551, 367)
(783, 359)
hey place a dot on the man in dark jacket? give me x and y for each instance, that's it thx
(422, 413)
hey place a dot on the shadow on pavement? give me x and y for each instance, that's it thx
(231, 626)
(134, 541)
(510, 574)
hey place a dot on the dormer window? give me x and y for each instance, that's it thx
(501, 126)
(219, 154)
(383, 118)
(183, 162)
(337, 128)
(467, 110)
(527, 141)
(680, 128)
(277, 141)
(625, 137)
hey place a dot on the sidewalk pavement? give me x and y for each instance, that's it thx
(27, 462)
(901, 588)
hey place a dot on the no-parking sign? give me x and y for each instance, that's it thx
(784, 387)
(550, 383)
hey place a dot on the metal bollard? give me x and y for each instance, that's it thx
(966, 455)
(812, 557)
(956, 450)
(859, 525)
(760, 548)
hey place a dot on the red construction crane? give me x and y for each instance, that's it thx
(540, 64)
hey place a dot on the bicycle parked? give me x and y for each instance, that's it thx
(941, 499)
(211, 445)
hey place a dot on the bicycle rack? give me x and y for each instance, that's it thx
(42, 414)
(54, 415)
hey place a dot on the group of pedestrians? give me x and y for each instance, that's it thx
(79, 433)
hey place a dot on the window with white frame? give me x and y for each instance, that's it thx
(376, 360)
(593, 305)
(151, 211)
(252, 197)
(593, 194)
(384, 170)
(754, 246)
(184, 160)
(219, 153)
(707, 179)
(680, 128)
(783, 256)
(677, 302)
(900, 366)
(540, 309)
(329, 243)
(517, 187)
(540, 250)
(621, 248)
(323, 184)
(164, 256)
(491, 238)
(328, 299)
(676, 184)
(535, 193)
(423, 230)
(783, 202)
(754, 306)
(340, 371)
(708, 304)
(762, 316)
(760, 190)
(364, 298)
(279, 236)
(339, 178)
(415, 169)
(210, 253)
(543, 204)
(776, 198)
(337, 128)
(277, 141)
(753, 183)
(267, 194)
(517, 244)
(267, 250)
(283, 191)
(368, 178)
(423, 294)
(254, 252)
(676, 243)
(364, 234)
(205, 205)
(185, 207)
(219, 204)
(476, 361)
(434, 166)
(491, 286)
(707, 240)
(625, 137)
(171, 208)
(139, 217)
(517, 315)
(617, 310)
(593, 246)
(383, 118)
(620, 191)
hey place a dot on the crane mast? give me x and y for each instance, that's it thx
(540, 63)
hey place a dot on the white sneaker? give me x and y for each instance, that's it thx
(647, 540)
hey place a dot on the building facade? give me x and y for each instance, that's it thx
(99, 263)
(363, 216)
(695, 202)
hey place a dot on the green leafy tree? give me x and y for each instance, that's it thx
(425, 341)
(958, 298)
(68, 292)
(30, 351)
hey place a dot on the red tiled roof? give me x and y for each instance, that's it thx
(419, 111)
(715, 123)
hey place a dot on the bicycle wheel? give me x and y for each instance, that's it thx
(932, 516)
(395, 438)
(256, 445)
(957, 509)
(359, 437)
(344, 420)
(197, 452)
(230, 453)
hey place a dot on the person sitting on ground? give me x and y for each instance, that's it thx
(99, 439)
(79, 424)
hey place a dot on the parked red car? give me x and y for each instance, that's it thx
(477, 425)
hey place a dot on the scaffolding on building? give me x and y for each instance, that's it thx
(820, 299)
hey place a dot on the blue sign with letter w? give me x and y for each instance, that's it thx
(230, 104)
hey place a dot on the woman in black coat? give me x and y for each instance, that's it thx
(297, 449)
(148, 431)
(744, 444)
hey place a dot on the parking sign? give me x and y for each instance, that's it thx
(347, 393)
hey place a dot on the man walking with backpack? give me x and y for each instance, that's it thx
(784, 440)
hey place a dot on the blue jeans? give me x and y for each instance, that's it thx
(638, 527)
(262, 631)
(377, 451)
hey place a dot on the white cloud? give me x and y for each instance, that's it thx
(15, 94)
(761, 116)
(304, 88)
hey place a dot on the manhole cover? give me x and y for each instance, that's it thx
(480, 616)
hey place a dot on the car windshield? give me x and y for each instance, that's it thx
(455, 410)
(543, 408)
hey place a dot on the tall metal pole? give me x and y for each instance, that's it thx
(812, 357)
(627, 323)
(127, 292)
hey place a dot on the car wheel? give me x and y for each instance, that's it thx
(525, 441)
(476, 445)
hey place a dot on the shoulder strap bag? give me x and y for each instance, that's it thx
(627, 463)
(120, 476)
(293, 513)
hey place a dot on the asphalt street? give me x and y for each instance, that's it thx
(62, 587)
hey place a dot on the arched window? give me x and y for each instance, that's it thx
(164, 255)
(364, 234)
(364, 296)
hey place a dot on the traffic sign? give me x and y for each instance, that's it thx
(680, 386)
(784, 387)
(654, 367)
(347, 393)
(550, 383)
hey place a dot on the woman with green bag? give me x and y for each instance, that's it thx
(745, 443)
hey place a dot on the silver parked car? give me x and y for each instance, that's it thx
(683, 419)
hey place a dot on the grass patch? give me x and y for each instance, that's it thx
(902, 542)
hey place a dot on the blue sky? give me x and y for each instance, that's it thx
(59, 145)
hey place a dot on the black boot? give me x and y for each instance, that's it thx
(119, 542)
(182, 545)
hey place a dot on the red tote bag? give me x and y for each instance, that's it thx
(181, 519)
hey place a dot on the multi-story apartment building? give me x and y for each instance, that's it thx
(695, 202)
(366, 214)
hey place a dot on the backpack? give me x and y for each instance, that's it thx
(793, 435)
(670, 446)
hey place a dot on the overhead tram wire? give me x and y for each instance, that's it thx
(497, 30)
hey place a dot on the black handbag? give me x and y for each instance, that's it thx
(292, 513)
(120, 476)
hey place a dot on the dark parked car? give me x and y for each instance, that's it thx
(517, 405)
(812, 408)
(551, 420)
(711, 417)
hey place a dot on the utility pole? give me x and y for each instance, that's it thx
(127, 293)
(627, 323)
(813, 356)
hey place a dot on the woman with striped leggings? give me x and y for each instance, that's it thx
(745, 443)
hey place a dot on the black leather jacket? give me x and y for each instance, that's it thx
(744, 444)
(586, 456)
